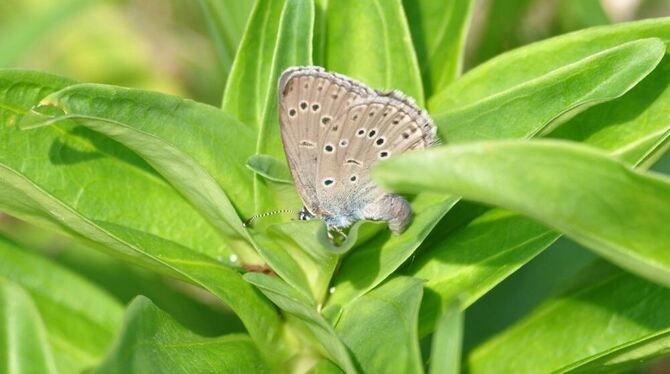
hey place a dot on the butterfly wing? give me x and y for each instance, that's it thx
(310, 99)
(377, 128)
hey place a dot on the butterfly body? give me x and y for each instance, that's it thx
(334, 130)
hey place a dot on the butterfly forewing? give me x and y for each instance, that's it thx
(310, 101)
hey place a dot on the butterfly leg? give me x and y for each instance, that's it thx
(393, 209)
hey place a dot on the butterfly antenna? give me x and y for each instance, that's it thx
(255, 217)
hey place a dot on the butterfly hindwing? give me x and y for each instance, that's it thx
(380, 126)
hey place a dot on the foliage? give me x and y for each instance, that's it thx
(165, 183)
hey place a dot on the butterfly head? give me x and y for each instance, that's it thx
(305, 214)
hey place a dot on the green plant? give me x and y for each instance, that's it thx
(165, 183)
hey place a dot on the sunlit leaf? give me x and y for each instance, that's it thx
(614, 210)
(575, 87)
(371, 41)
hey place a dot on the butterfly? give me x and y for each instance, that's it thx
(334, 130)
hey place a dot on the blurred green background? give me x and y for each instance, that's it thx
(165, 45)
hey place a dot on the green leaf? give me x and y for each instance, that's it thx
(42, 195)
(190, 158)
(294, 47)
(325, 367)
(524, 65)
(250, 78)
(270, 168)
(197, 148)
(380, 327)
(629, 126)
(23, 339)
(226, 21)
(300, 252)
(79, 320)
(606, 309)
(369, 265)
(293, 302)
(446, 260)
(99, 177)
(579, 14)
(371, 41)
(279, 35)
(439, 29)
(628, 356)
(447, 340)
(472, 259)
(501, 28)
(597, 78)
(151, 341)
(614, 210)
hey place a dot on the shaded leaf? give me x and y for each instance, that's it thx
(300, 252)
(447, 340)
(367, 266)
(299, 305)
(23, 339)
(151, 341)
(226, 21)
(501, 30)
(439, 29)
(472, 259)
(607, 310)
(579, 14)
(79, 320)
(380, 327)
